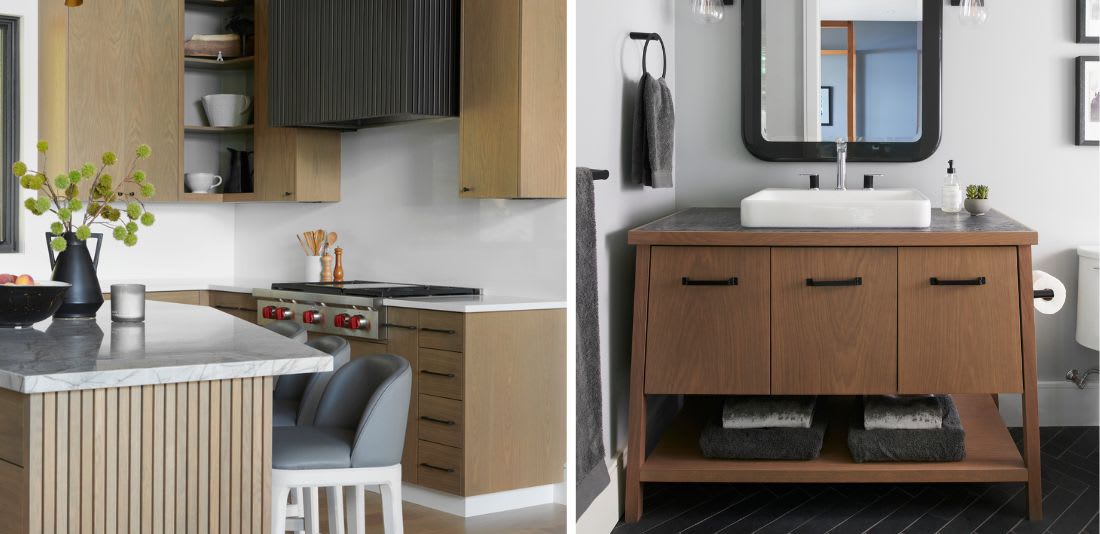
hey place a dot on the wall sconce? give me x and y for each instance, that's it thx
(709, 11)
(971, 12)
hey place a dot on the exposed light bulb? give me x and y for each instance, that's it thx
(972, 12)
(707, 11)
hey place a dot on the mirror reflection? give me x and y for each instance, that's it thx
(841, 69)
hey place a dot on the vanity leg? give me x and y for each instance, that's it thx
(1030, 398)
(637, 404)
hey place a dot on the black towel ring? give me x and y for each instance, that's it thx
(638, 36)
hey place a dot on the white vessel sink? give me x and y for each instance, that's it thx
(826, 208)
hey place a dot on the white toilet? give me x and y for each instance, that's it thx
(1088, 306)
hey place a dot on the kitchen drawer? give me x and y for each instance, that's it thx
(834, 320)
(13, 409)
(13, 493)
(440, 421)
(708, 329)
(439, 467)
(228, 299)
(959, 333)
(440, 373)
(441, 330)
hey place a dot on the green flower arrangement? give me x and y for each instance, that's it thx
(977, 192)
(61, 197)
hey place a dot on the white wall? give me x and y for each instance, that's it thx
(192, 241)
(1007, 122)
(400, 219)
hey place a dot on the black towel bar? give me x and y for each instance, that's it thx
(647, 37)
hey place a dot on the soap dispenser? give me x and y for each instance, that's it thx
(952, 200)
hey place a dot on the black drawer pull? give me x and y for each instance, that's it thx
(440, 421)
(401, 326)
(437, 373)
(723, 282)
(979, 281)
(857, 281)
(437, 330)
(437, 468)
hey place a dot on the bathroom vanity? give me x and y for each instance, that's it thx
(720, 309)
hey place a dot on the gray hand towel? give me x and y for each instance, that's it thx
(654, 128)
(901, 412)
(753, 411)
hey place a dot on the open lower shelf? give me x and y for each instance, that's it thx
(991, 455)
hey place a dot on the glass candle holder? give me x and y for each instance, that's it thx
(128, 303)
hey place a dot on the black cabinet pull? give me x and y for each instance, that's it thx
(723, 282)
(437, 373)
(437, 330)
(440, 421)
(857, 281)
(437, 468)
(979, 281)
(401, 326)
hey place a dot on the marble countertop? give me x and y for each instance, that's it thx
(176, 343)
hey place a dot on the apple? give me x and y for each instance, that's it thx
(24, 280)
(6, 278)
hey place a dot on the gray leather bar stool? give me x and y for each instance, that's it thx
(357, 438)
(296, 396)
(289, 329)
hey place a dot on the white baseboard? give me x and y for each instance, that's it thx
(476, 505)
(1061, 403)
(606, 509)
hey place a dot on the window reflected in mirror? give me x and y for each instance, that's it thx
(9, 132)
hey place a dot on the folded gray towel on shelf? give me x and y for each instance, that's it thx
(901, 412)
(758, 411)
(763, 443)
(944, 444)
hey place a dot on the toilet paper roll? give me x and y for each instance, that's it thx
(1043, 280)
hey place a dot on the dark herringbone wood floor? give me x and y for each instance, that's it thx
(1070, 501)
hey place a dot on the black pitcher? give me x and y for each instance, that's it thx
(77, 267)
(240, 172)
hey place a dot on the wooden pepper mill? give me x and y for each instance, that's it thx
(338, 272)
(326, 267)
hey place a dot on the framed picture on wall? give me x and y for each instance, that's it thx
(1088, 21)
(1088, 100)
(825, 107)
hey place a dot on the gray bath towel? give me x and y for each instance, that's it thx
(763, 443)
(898, 412)
(592, 476)
(945, 444)
(654, 126)
(760, 411)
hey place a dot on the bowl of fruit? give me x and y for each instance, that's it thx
(24, 302)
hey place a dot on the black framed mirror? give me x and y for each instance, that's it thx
(9, 133)
(874, 78)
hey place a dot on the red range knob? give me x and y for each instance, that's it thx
(269, 312)
(341, 320)
(311, 317)
(284, 314)
(358, 322)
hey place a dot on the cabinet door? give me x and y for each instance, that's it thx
(403, 342)
(959, 320)
(834, 320)
(708, 321)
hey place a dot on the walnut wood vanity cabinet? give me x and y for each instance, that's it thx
(721, 309)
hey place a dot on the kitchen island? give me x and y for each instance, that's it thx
(159, 426)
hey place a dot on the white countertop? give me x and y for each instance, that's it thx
(176, 343)
(459, 304)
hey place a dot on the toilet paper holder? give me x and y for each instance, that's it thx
(1045, 294)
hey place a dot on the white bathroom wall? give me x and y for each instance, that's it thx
(1008, 99)
(188, 241)
(400, 219)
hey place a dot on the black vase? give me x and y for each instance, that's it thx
(76, 266)
(240, 172)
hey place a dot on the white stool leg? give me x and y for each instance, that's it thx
(295, 506)
(278, 508)
(356, 512)
(392, 519)
(334, 499)
(311, 509)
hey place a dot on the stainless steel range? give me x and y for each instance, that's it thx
(350, 308)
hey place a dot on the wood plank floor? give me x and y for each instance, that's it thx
(544, 519)
(1071, 492)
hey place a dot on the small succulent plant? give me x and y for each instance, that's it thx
(977, 192)
(61, 197)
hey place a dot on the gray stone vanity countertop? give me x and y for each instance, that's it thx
(722, 226)
(176, 343)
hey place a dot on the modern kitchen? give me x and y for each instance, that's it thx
(271, 266)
